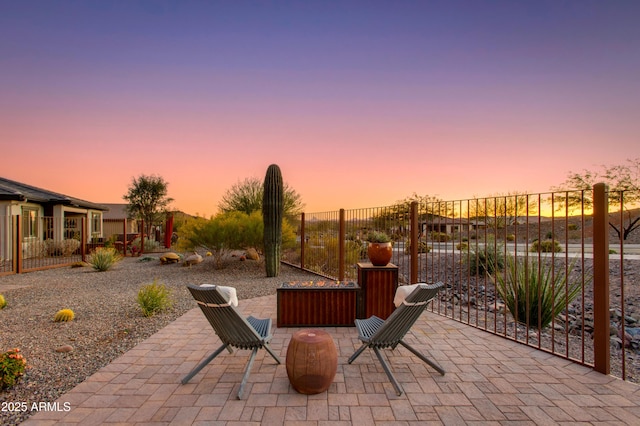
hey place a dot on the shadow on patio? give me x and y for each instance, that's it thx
(489, 380)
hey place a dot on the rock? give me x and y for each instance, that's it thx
(192, 259)
(169, 258)
(252, 254)
(64, 349)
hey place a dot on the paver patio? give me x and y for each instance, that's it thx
(489, 380)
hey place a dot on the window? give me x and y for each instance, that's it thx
(29, 222)
(71, 228)
(96, 224)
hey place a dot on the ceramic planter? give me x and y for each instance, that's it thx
(380, 253)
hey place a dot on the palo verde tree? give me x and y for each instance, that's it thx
(624, 189)
(148, 200)
(246, 196)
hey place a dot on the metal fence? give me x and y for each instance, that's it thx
(29, 243)
(534, 268)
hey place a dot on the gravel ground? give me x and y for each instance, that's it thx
(108, 319)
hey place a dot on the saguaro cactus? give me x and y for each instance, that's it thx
(272, 209)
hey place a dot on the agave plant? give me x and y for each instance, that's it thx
(533, 292)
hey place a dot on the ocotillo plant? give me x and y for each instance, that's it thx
(272, 209)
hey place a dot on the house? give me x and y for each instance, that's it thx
(450, 225)
(113, 220)
(45, 215)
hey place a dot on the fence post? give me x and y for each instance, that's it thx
(18, 243)
(601, 338)
(124, 237)
(341, 248)
(83, 238)
(302, 241)
(413, 228)
(142, 236)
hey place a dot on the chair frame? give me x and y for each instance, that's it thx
(377, 334)
(233, 329)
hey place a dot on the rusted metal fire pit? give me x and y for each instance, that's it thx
(317, 303)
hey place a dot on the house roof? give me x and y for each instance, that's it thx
(116, 211)
(12, 190)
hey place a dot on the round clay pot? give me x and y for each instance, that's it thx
(312, 361)
(380, 253)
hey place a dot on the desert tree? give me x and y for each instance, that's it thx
(246, 196)
(623, 181)
(501, 210)
(148, 200)
(395, 218)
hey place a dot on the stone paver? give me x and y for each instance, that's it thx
(489, 380)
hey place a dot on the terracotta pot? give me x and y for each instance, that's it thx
(380, 253)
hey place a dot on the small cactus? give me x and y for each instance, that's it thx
(3, 302)
(64, 315)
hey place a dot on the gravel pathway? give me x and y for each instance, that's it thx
(108, 319)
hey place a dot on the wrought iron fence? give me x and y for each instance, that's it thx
(30, 243)
(525, 267)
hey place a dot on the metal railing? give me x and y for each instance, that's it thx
(533, 268)
(34, 243)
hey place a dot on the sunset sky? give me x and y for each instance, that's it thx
(360, 103)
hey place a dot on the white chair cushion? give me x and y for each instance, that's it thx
(228, 293)
(403, 291)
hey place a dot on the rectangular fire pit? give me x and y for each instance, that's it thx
(317, 303)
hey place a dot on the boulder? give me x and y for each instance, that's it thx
(169, 258)
(192, 259)
(252, 254)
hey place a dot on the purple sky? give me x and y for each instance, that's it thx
(360, 103)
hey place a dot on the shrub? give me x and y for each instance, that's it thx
(462, 246)
(154, 298)
(3, 302)
(103, 258)
(64, 315)
(378, 237)
(422, 247)
(440, 236)
(229, 231)
(67, 247)
(485, 261)
(12, 367)
(149, 245)
(547, 246)
(62, 248)
(34, 249)
(533, 293)
(324, 258)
